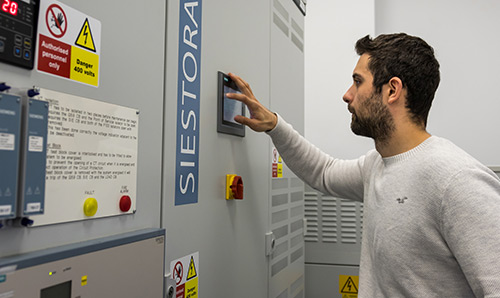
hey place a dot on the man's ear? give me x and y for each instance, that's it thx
(395, 90)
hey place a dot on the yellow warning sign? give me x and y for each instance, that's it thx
(348, 284)
(85, 39)
(84, 66)
(192, 270)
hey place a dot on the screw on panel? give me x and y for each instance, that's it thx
(4, 87)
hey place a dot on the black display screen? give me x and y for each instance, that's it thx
(62, 290)
(228, 108)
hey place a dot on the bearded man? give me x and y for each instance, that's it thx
(431, 226)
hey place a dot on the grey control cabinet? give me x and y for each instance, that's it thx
(333, 243)
(261, 41)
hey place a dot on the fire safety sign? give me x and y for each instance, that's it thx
(69, 43)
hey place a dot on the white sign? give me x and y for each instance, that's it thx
(91, 154)
(7, 141)
(185, 272)
(69, 43)
(35, 144)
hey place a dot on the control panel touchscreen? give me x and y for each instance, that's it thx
(228, 108)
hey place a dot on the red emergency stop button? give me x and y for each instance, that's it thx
(237, 188)
(125, 203)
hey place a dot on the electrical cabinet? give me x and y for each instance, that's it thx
(133, 268)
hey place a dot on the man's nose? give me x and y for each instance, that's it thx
(348, 96)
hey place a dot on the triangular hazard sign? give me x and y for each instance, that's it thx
(85, 39)
(192, 270)
(349, 287)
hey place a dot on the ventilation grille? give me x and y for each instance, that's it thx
(332, 220)
(287, 225)
(288, 25)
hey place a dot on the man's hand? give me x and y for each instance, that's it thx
(261, 119)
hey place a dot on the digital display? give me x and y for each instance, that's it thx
(18, 23)
(232, 107)
(10, 7)
(228, 108)
(62, 290)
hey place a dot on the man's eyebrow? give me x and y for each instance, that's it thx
(356, 76)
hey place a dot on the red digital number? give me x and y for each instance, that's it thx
(5, 5)
(13, 8)
(10, 7)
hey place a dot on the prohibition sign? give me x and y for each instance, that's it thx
(56, 20)
(178, 271)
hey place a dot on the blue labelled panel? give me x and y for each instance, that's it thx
(34, 157)
(188, 103)
(10, 129)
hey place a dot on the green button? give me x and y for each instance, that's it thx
(3, 278)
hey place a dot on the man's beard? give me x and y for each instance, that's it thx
(376, 123)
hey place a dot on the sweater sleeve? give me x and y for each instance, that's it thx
(471, 228)
(340, 178)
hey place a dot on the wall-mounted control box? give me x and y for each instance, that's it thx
(10, 135)
(18, 24)
(33, 157)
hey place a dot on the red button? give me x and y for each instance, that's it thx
(125, 203)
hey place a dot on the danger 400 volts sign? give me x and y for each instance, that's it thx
(69, 43)
(185, 273)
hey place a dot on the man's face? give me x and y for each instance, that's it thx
(370, 115)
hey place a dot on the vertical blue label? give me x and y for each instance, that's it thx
(188, 103)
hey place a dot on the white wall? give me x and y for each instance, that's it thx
(465, 36)
(332, 29)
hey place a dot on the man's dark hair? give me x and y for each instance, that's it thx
(409, 58)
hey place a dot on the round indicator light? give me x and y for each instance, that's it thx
(90, 207)
(125, 203)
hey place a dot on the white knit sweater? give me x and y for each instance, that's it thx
(431, 215)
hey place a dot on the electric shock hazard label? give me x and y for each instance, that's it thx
(69, 43)
(348, 286)
(185, 273)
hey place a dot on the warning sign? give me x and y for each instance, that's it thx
(192, 270)
(186, 282)
(277, 165)
(348, 286)
(68, 43)
(55, 18)
(85, 39)
(178, 272)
